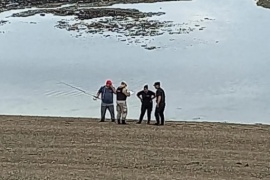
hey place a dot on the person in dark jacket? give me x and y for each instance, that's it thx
(160, 104)
(146, 96)
(107, 92)
(121, 103)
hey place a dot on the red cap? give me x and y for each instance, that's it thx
(109, 82)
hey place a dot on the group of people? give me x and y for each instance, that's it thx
(146, 96)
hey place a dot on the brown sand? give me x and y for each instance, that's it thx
(77, 148)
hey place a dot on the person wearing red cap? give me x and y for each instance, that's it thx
(107, 92)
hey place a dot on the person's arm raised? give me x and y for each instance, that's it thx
(113, 89)
(125, 91)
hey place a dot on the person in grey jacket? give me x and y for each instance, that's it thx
(107, 92)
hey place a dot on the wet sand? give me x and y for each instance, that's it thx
(81, 148)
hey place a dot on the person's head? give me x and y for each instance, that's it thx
(145, 88)
(123, 84)
(157, 85)
(108, 83)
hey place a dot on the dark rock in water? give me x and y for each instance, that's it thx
(119, 14)
(264, 3)
(20, 4)
(3, 22)
(126, 23)
(132, 25)
(150, 48)
(208, 19)
(98, 12)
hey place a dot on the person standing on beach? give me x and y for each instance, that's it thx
(121, 96)
(107, 92)
(146, 96)
(160, 104)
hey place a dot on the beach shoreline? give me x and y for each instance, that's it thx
(131, 120)
(82, 148)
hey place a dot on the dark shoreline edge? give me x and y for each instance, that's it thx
(5, 5)
(93, 120)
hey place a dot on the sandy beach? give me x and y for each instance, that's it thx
(81, 148)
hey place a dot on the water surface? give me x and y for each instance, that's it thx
(218, 74)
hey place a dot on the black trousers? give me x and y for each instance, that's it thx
(144, 108)
(159, 113)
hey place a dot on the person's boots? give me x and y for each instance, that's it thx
(124, 122)
(148, 122)
(139, 122)
(162, 123)
(118, 121)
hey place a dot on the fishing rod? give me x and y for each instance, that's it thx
(95, 97)
(81, 90)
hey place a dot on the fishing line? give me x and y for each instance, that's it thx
(81, 90)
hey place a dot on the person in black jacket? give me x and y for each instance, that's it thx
(146, 96)
(121, 96)
(160, 107)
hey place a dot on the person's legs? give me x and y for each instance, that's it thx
(119, 110)
(111, 110)
(143, 109)
(103, 113)
(124, 112)
(161, 112)
(157, 115)
(149, 111)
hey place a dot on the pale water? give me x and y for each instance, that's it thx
(221, 73)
